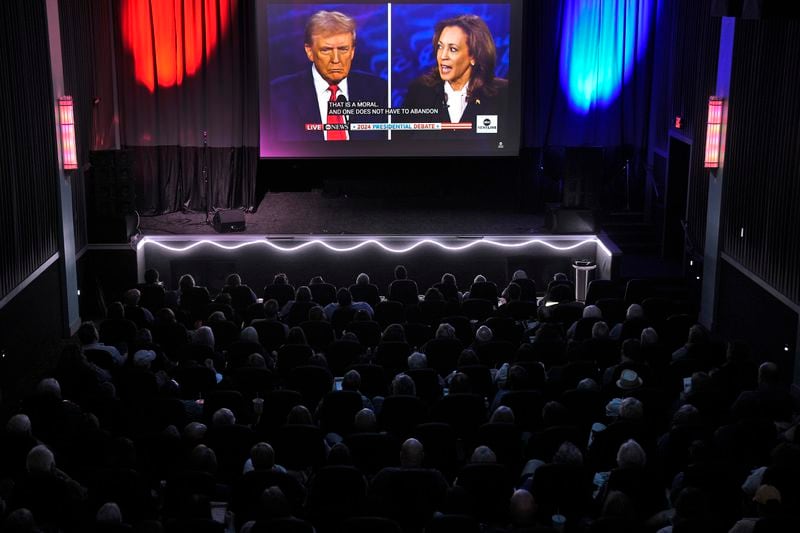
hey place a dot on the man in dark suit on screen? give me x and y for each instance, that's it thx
(300, 101)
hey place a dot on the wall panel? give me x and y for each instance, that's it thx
(761, 218)
(29, 211)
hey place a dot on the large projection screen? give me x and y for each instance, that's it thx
(392, 91)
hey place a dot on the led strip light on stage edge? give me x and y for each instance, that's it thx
(372, 240)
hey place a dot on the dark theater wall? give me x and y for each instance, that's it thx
(694, 45)
(748, 312)
(29, 333)
(761, 217)
(29, 210)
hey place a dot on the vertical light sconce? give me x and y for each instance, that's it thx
(69, 150)
(713, 130)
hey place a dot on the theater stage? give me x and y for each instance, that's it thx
(309, 233)
(316, 213)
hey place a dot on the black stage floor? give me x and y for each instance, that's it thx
(315, 213)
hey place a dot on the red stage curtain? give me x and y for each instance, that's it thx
(188, 107)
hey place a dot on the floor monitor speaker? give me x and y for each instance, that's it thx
(229, 220)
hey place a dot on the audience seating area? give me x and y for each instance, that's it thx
(493, 409)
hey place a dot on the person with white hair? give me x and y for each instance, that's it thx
(502, 415)
(402, 384)
(445, 331)
(417, 360)
(363, 290)
(223, 417)
(109, 513)
(249, 334)
(581, 329)
(203, 336)
(522, 510)
(633, 325)
(633, 478)
(527, 286)
(40, 459)
(483, 454)
(483, 289)
(55, 499)
(365, 421)
(411, 454)
(134, 311)
(19, 424)
(20, 521)
(631, 454)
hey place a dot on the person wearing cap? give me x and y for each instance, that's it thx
(630, 358)
(629, 380)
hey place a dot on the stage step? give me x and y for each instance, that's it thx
(630, 231)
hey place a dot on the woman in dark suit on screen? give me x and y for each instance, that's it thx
(462, 85)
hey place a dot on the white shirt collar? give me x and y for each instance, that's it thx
(456, 101)
(322, 90)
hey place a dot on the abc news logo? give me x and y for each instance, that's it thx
(327, 127)
(486, 124)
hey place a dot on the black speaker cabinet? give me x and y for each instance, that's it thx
(583, 174)
(229, 220)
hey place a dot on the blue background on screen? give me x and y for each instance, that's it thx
(412, 31)
(286, 24)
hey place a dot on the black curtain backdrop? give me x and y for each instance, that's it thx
(197, 117)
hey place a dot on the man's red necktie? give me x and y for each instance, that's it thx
(335, 135)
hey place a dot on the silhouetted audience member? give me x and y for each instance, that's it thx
(771, 399)
(402, 289)
(696, 345)
(280, 289)
(16, 442)
(242, 296)
(55, 499)
(351, 381)
(296, 311)
(90, 340)
(365, 291)
(449, 288)
(632, 326)
(193, 298)
(152, 291)
(134, 311)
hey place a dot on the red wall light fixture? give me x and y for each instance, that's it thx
(66, 118)
(713, 132)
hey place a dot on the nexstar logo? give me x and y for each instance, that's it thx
(486, 124)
